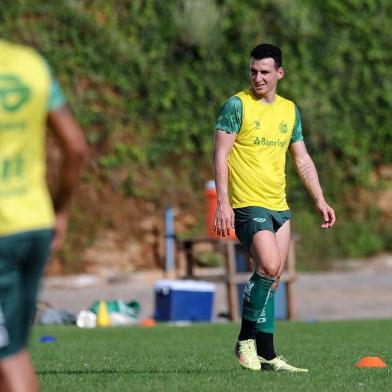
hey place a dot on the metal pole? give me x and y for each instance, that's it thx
(170, 241)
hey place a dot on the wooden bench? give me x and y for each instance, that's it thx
(228, 274)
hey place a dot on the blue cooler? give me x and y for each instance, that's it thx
(183, 300)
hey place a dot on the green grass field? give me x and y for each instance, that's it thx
(200, 358)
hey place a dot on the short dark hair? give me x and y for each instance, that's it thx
(264, 51)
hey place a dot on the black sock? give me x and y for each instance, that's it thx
(265, 345)
(247, 330)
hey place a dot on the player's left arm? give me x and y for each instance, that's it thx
(74, 152)
(308, 173)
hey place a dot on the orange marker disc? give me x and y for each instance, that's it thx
(371, 362)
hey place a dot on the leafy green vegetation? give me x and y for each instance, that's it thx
(146, 79)
(200, 357)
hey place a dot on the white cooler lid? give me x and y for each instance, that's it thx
(184, 285)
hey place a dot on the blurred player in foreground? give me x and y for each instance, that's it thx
(31, 224)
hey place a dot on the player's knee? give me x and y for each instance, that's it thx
(271, 270)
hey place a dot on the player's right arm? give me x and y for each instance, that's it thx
(224, 215)
(227, 127)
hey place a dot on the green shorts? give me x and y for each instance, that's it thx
(250, 220)
(22, 260)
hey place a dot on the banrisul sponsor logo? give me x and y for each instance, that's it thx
(13, 93)
(262, 141)
(12, 167)
(12, 177)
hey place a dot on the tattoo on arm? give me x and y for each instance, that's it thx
(307, 171)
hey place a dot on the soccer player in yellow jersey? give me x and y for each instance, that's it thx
(30, 223)
(254, 130)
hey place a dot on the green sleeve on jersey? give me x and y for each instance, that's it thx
(297, 132)
(230, 116)
(56, 96)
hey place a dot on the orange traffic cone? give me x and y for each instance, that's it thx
(103, 317)
(371, 362)
(148, 322)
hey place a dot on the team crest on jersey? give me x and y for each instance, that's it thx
(13, 93)
(283, 127)
(257, 124)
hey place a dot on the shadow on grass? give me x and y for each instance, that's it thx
(128, 371)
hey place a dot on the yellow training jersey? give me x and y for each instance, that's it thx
(257, 160)
(25, 92)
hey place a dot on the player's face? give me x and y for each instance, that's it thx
(264, 77)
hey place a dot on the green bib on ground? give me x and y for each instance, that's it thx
(130, 309)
